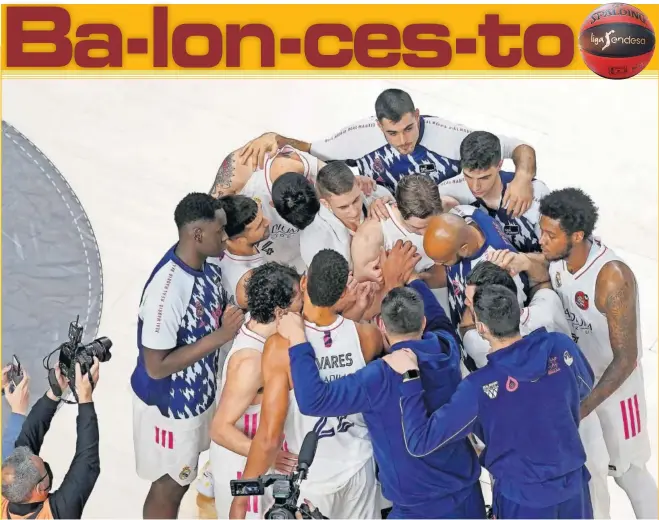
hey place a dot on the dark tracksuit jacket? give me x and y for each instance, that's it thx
(444, 484)
(524, 405)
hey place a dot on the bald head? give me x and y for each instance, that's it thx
(445, 236)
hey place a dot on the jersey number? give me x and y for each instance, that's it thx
(323, 430)
(267, 248)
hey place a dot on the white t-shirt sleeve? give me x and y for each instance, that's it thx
(163, 306)
(545, 310)
(476, 347)
(457, 188)
(351, 142)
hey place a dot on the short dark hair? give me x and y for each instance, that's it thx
(402, 311)
(497, 307)
(193, 207)
(270, 286)
(393, 104)
(241, 212)
(572, 208)
(418, 196)
(295, 199)
(335, 178)
(488, 273)
(480, 151)
(327, 277)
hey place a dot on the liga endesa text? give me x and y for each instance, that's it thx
(57, 43)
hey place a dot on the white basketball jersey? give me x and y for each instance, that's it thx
(344, 445)
(283, 245)
(234, 267)
(577, 291)
(394, 230)
(245, 339)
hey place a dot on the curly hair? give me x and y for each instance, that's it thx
(194, 207)
(327, 277)
(572, 208)
(269, 287)
(295, 199)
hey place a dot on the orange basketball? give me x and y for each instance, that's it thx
(617, 41)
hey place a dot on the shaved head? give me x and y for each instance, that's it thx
(445, 237)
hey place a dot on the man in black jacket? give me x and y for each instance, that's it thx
(27, 478)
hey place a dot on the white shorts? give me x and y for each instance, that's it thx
(227, 465)
(624, 422)
(165, 446)
(359, 498)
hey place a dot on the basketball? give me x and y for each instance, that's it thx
(617, 41)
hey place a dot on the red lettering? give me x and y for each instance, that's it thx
(492, 30)
(113, 46)
(16, 37)
(235, 35)
(160, 38)
(312, 37)
(180, 53)
(413, 42)
(363, 45)
(565, 42)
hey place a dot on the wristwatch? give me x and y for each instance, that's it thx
(410, 375)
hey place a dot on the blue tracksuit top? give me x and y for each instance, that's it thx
(444, 478)
(524, 405)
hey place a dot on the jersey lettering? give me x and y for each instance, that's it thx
(323, 430)
(329, 362)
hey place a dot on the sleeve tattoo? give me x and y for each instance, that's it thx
(224, 176)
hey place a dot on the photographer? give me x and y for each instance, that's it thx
(27, 478)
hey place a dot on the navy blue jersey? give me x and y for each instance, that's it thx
(437, 153)
(524, 231)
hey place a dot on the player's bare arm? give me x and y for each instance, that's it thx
(616, 298)
(286, 162)
(266, 444)
(365, 251)
(370, 340)
(242, 389)
(241, 293)
(519, 194)
(163, 363)
(231, 176)
(268, 143)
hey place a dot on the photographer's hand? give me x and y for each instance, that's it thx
(62, 381)
(84, 388)
(19, 399)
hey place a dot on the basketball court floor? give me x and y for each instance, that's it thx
(132, 148)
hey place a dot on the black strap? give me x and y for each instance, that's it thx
(31, 516)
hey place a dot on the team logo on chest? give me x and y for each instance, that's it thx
(567, 357)
(581, 299)
(491, 390)
(378, 165)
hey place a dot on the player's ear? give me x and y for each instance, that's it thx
(197, 234)
(423, 324)
(578, 236)
(303, 283)
(325, 203)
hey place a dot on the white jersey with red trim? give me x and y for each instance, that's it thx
(283, 244)
(577, 292)
(226, 464)
(394, 230)
(234, 268)
(344, 445)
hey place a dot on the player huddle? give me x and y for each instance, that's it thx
(337, 254)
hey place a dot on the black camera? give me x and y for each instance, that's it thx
(72, 352)
(285, 488)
